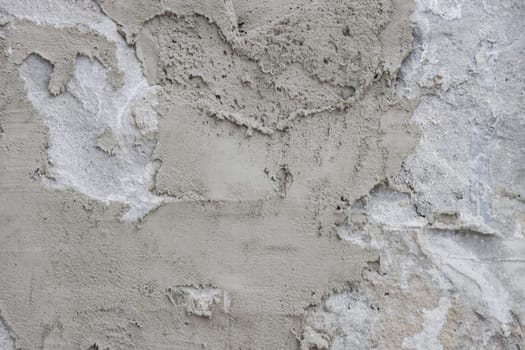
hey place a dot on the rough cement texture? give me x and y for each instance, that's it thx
(242, 174)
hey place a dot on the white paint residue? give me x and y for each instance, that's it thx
(434, 320)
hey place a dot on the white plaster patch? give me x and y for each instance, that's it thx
(198, 301)
(7, 342)
(470, 274)
(465, 164)
(90, 107)
(434, 320)
(75, 121)
(448, 9)
(345, 320)
(312, 339)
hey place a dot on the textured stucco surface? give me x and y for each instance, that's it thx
(242, 174)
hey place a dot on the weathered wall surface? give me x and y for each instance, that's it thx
(241, 174)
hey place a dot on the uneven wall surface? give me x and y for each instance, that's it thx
(243, 174)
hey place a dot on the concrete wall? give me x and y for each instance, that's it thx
(242, 174)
